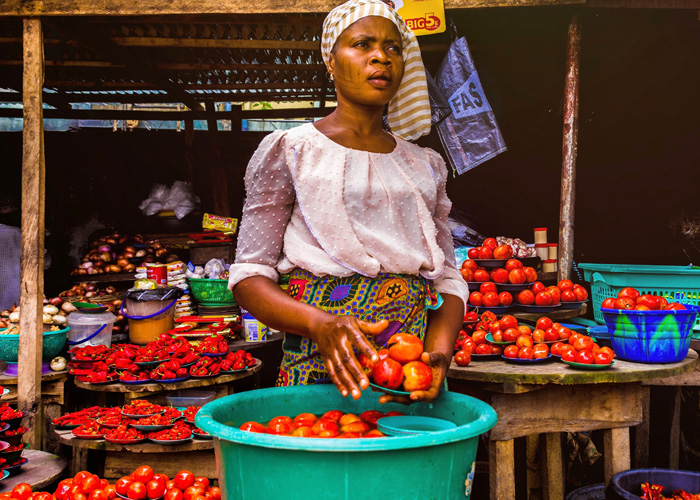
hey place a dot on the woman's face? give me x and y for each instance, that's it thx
(367, 62)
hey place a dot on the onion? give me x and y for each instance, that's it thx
(5, 313)
(104, 248)
(106, 256)
(14, 317)
(111, 241)
(122, 262)
(161, 251)
(58, 364)
(79, 290)
(121, 317)
(149, 258)
(128, 255)
(110, 290)
(114, 269)
(89, 294)
(129, 268)
(56, 301)
(90, 287)
(47, 319)
(116, 302)
(156, 245)
(68, 307)
(59, 320)
(140, 253)
(86, 265)
(129, 249)
(50, 309)
(45, 301)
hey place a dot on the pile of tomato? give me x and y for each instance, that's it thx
(332, 424)
(239, 360)
(399, 365)
(583, 349)
(631, 298)
(215, 344)
(8, 413)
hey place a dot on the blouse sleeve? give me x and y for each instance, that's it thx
(266, 212)
(451, 281)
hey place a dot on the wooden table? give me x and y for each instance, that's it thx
(42, 470)
(552, 397)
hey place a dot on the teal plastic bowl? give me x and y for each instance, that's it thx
(255, 466)
(52, 345)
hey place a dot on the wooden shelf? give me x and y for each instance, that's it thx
(66, 437)
(103, 278)
(40, 471)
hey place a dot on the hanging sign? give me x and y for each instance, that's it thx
(424, 17)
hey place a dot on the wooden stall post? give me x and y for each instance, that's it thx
(569, 150)
(32, 263)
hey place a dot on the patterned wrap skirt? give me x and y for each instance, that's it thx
(403, 300)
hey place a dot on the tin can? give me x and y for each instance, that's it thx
(158, 273)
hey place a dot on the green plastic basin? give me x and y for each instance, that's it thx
(252, 466)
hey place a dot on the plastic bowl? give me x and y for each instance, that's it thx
(53, 342)
(651, 336)
(185, 398)
(252, 466)
(626, 485)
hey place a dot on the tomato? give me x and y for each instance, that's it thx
(650, 301)
(483, 349)
(136, 491)
(463, 358)
(539, 335)
(609, 303)
(544, 323)
(161, 478)
(192, 491)
(505, 298)
(155, 489)
(530, 274)
(307, 418)
(569, 354)
(303, 431)
(508, 321)
(481, 275)
(496, 349)
(473, 253)
(516, 276)
(490, 243)
(89, 484)
(583, 343)
(279, 420)
(565, 285)
(142, 474)
(488, 286)
(630, 292)
(22, 491)
(557, 348)
(607, 350)
(540, 351)
(479, 337)
(404, 347)
(499, 275)
(551, 334)
(62, 489)
(510, 335)
(174, 494)
(214, 493)
(543, 299)
(513, 264)
(252, 427)
(602, 358)
(524, 341)
(103, 484)
(511, 351)
(78, 478)
(279, 428)
(98, 495)
(111, 491)
(537, 287)
(503, 252)
(624, 303)
(490, 299)
(122, 486)
(469, 346)
(182, 480)
(525, 353)
(675, 306)
(386, 373)
(568, 296)
(79, 496)
(476, 299)
(470, 264)
(526, 297)
(467, 274)
(485, 253)
(556, 294)
(581, 293)
(585, 357)
(524, 330)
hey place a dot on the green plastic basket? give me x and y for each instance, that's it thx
(675, 283)
(211, 292)
(52, 344)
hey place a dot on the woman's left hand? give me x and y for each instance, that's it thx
(439, 365)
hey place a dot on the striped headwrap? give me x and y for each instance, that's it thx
(409, 109)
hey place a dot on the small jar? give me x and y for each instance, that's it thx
(540, 235)
(552, 249)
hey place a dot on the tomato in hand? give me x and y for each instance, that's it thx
(463, 358)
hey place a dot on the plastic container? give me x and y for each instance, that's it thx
(90, 328)
(255, 466)
(675, 283)
(53, 342)
(186, 398)
(253, 330)
(626, 485)
(150, 312)
(211, 292)
(592, 492)
(651, 336)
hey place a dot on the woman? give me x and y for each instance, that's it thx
(357, 216)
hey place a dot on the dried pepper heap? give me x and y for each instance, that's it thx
(653, 492)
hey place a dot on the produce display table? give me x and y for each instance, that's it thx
(53, 396)
(40, 471)
(127, 392)
(550, 398)
(556, 315)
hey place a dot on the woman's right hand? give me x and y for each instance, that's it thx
(336, 340)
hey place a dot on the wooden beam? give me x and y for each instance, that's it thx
(95, 85)
(32, 262)
(569, 150)
(157, 98)
(644, 4)
(108, 114)
(204, 7)
(215, 43)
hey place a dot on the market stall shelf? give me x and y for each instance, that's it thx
(42, 469)
(576, 400)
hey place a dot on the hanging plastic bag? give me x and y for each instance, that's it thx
(470, 135)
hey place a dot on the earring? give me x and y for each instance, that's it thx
(330, 76)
